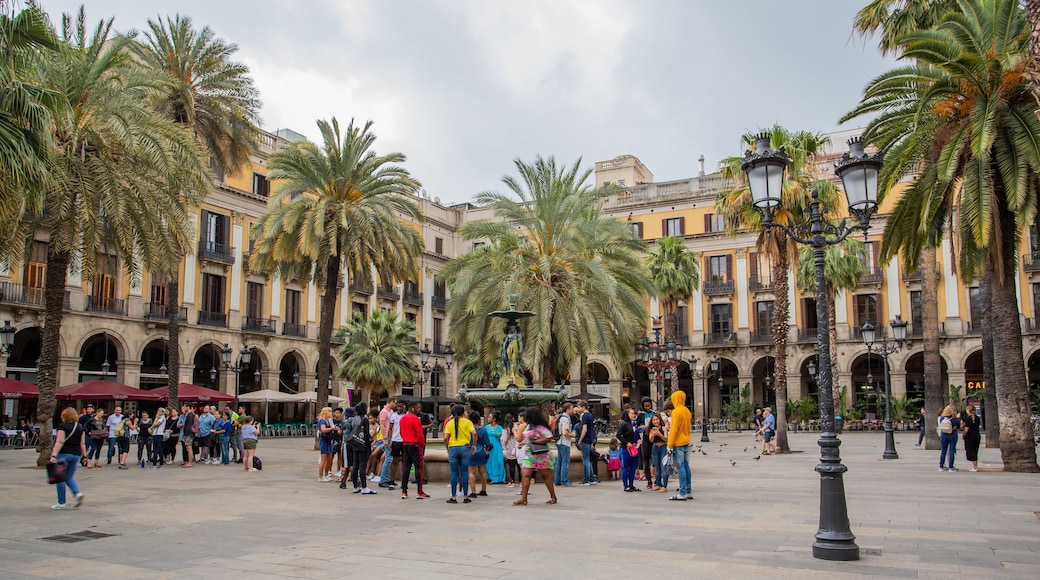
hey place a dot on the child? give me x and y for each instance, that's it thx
(614, 461)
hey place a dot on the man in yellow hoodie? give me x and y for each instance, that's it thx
(679, 445)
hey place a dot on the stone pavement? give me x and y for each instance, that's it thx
(752, 519)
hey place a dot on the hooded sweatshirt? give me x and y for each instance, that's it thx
(679, 435)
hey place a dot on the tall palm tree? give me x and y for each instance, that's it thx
(1033, 66)
(25, 111)
(336, 207)
(379, 354)
(734, 205)
(580, 271)
(676, 275)
(121, 163)
(890, 20)
(965, 113)
(214, 97)
(843, 269)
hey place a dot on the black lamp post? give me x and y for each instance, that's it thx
(899, 335)
(708, 371)
(657, 357)
(422, 373)
(245, 357)
(6, 337)
(858, 171)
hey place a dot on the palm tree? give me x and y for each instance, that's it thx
(676, 275)
(378, 354)
(890, 20)
(120, 163)
(1033, 66)
(214, 98)
(735, 207)
(843, 269)
(337, 207)
(964, 112)
(580, 271)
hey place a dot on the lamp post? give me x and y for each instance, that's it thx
(245, 357)
(6, 337)
(657, 357)
(899, 335)
(709, 371)
(858, 171)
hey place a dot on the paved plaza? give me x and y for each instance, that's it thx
(754, 519)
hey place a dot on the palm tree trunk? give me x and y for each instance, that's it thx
(328, 314)
(780, 328)
(990, 415)
(173, 350)
(933, 384)
(1017, 448)
(1033, 62)
(47, 379)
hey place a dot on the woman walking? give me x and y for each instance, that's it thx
(496, 467)
(70, 444)
(459, 439)
(536, 438)
(972, 437)
(158, 430)
(97, 434)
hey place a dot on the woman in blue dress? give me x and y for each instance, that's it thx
(496, 465)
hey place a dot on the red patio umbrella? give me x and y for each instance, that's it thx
(106, 390)
(191, 392)
(12, 389)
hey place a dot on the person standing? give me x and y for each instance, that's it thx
(629, 445)
(386, 427)
(496, 466)
(509, 451)
(645, 448)
(223, 431)
(130, 425)
(561, 473)
(479, 458)
(326, 441)
(586, 436)
(949, 424)
(250, 437)
(921, 421)
(535, 442)
(459, 440)
(412, 448)
(112, 425)
(768, 430)
(205, 436)
(972, 437)
(70, 443)
(679, 445)
(757, 422)
(657, 434)
(159, 427)
(359, 453)
(144, 438)
(188, 430)
(97, 433)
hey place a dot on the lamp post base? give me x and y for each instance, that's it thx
(835, 551)
(704, 431)
(890, 444)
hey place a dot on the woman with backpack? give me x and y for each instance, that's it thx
(358, 450)
(949, 424)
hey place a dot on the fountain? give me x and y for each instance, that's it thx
(512, 393)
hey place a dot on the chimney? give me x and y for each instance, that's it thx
(700, 166)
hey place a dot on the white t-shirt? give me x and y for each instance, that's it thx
(159, 425)
(395, 418)
(112, 423)
(565, 427)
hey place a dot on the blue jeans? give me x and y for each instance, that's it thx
(949, 445)
(384, 474)
(71, 462)
(563, 465)
(628, 468)
(657, 454)
(157, 450)
(920, 436)
(458, 460)
(586, 460)
(225, 459)
(113, 448)
(681, 457)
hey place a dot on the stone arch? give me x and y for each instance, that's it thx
(93, 352)
(207, 368)
(290, 365)
(22, 362)
(152, 358)
(913, 365)
(762, 391)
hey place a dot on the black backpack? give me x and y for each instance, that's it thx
(556, 427)
(356, 441)
(257, 464)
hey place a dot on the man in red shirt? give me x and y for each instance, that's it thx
(412, 449)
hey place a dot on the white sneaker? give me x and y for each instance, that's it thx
(78, 500)
(973, 469)
(367, 491)
(323, 479)
(339, 474)
(372, 477)
(60, 506)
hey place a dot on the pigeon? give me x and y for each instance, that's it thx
(757, 457)
(731, 462)
(703, 453)
(720, 450)
(745, 450)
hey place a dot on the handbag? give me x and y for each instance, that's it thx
(633, 450)
(56, 473)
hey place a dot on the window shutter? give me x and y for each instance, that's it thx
(877, 259)
(729, 268)
(753, 262)
(682, 226)
(707, 222)
(664, 228)
(707, 268)
(205, 225)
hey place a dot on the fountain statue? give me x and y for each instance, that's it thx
(512, 393)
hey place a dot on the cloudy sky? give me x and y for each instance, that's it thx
(462, 87)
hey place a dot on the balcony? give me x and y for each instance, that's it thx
(438, 302)
(872, 277)
(973, 327)
(218, 319)
(914, 277)
(388, 293)
(11, 293)
(338, 339)
(106, 305)
(360, 287)
(914, 331)
(439, 348)
(258, 325)
(1031, 262)
(216, 252)
(245, 262)
(762, 336)
(412, 297)
(720, 339)
(718, 287)
(293, 329)
(808, 334)
(760, 283)
(157, 312)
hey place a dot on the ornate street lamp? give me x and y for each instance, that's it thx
(858, 171)
(659, 359)
(245, 356)
(7, 333)
(711, 370)
(885, 349)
